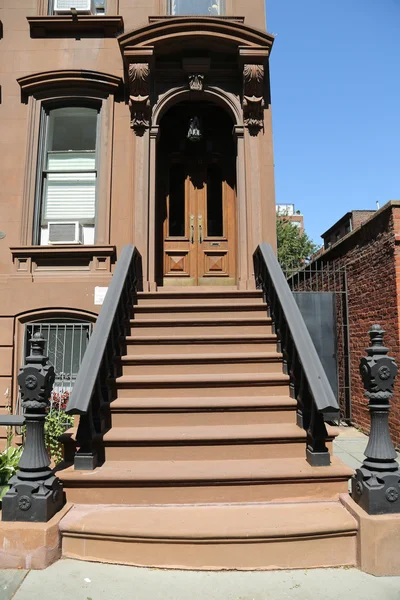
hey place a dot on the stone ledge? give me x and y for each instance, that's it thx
(70, 25)
(33, 261)
(31, 545)
(377, 540)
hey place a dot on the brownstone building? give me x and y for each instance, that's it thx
(148, 123)
(112, 116)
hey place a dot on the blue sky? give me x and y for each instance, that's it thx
(335, 78)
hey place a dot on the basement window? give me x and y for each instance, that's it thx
(66, 343)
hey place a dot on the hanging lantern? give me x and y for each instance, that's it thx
(194, 133)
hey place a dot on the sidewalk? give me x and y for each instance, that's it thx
(95, 581)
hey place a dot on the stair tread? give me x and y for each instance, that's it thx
(204, 320)
(200, 291)
(266, 469)
(201, 378)
(194, 433)
(239, 337)
(204, 357)
(207, 307)
(212, 521)
(205, 403)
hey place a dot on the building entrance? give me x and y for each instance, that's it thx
(197, 202)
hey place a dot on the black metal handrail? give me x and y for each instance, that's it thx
(93, 389)
(308, 381)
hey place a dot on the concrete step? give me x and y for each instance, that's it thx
(190, 296)
(205, 442)
(199, 311)
(205, 481)
(201, 386)
(147, 412)
(204, 326)
(213, 536)
(180, 364)
(198, 342)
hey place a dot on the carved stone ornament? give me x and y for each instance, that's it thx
(139, 95)
(196, 82)
(253, 96)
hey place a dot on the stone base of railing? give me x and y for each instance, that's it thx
(377, 493)
(32, 501)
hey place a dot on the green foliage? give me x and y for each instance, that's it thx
(9, 460)
(294, 246)
(57, 422)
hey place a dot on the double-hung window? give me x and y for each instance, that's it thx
(197, 7)
(94, 7)
(66, 195)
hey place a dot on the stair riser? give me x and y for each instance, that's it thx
(196, 347)
(300, 553)
(202, 391)
(258, 311)
(212, 451)
(160, 419)
(203, 493)
(205, 368)
(160, 300)
(177, 328)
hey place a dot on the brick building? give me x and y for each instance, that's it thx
(345, 225)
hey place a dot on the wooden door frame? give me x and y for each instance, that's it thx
(245, 270)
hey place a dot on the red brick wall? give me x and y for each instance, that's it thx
(372, 260)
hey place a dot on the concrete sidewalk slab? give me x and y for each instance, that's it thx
(96, 581)
(10, 581)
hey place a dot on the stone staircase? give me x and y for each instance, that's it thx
(204, 464)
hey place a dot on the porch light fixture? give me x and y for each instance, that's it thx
(194, 133)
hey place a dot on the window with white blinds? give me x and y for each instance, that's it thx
(70, 186)
(69, 170)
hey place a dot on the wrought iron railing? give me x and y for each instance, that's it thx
(309, 384)
(93, 389)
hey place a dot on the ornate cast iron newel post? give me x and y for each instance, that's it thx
(376, 485)
(35, 494)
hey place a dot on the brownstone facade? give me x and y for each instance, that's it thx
(130, 63)
(371, 255)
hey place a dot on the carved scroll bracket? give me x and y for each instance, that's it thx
(253, 96)
(196, 82)
(139, 96)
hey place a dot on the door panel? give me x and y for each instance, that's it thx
(200, 225)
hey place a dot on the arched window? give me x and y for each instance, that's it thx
(208, 8)
(67, 176)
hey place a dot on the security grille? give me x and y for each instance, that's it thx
(66, 343)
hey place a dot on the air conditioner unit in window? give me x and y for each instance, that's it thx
(84, 7)
(65, 233)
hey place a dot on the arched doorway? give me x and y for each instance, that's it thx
(196, 223)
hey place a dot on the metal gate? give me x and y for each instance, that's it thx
(317, 279)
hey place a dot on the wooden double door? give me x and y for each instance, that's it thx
(199, 245)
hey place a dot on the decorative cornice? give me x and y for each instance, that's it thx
(70, 25)
(186, 29)
(69, 80)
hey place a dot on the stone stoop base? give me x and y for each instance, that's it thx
(31, 545)
(378, 540)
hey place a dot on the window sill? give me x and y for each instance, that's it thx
(220, 17)
(70, 25)
(62, 260)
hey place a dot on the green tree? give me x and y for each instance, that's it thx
(294, 245)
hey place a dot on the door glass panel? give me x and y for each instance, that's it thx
(215, 222)
(197, 7)
(176, 215)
